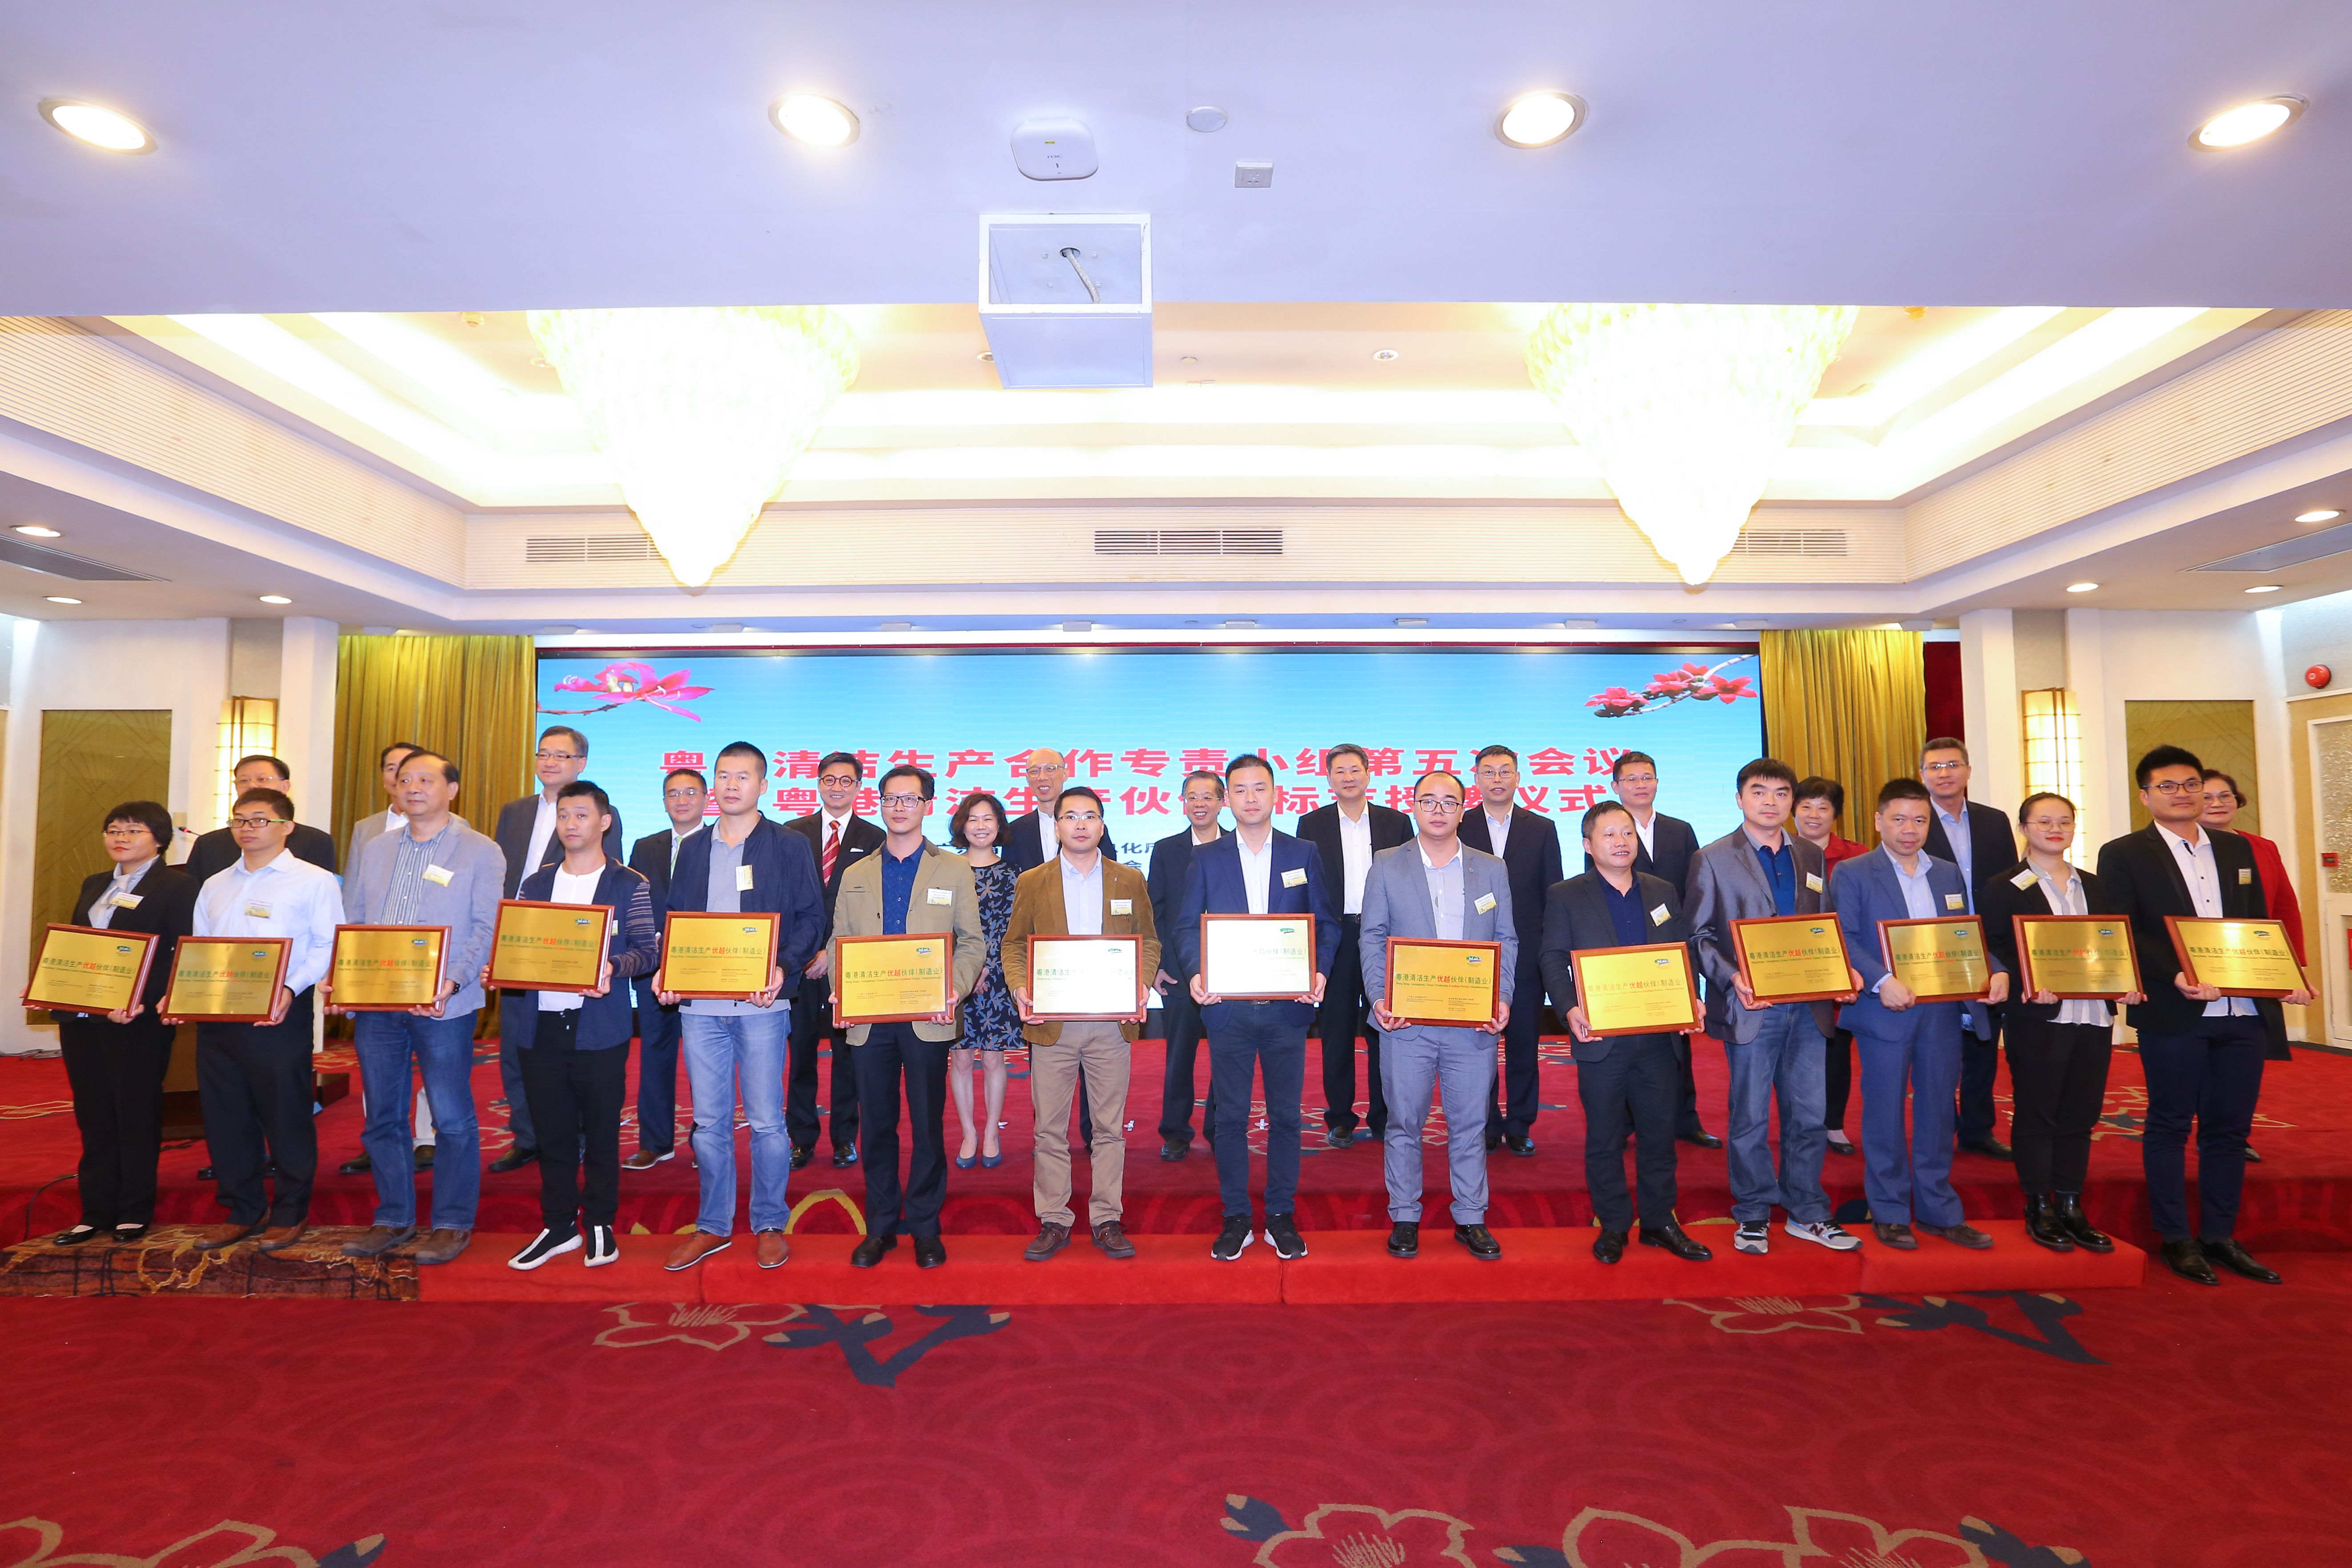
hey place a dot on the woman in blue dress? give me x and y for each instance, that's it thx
(991, 1019)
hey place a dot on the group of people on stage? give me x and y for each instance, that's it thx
(1467, 864)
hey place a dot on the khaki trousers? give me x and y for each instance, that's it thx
(1052, 1083)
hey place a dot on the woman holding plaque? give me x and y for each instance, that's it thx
(991, 1019)
(115, 1061)
(2058, 1050)
(1820, 803)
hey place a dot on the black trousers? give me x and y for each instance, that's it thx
(576, 1097)
(1979, 1066)
(893, 1052)
(116, 1071)
(2057, 1081)
(1686, 1122)
(1180, 1015)
(812, 1019)
(1514, 1114)
(1837, 1079)
(256, 1082)
(2211, 1078)
(1344, 1013)
(1634, 1090)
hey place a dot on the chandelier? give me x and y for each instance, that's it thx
(702, 410)
(1684, 407)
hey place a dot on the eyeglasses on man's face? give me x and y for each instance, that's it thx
(1941, 767)
(1082, 816)
(904, 802)
(1440, 805)
(254, 823)
(547, 756)
(2169, 788)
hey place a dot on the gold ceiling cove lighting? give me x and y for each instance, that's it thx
(1540, 119)
(97, 125)
(2249, 122)
(1686, 407)
(702, 410)
(818, 121)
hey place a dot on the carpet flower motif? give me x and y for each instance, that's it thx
(1776, 1314)
(228, 1544)
(1604, 1538)
(714, 1328)
(1352, 1535)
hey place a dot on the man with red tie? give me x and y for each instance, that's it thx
(839, 837)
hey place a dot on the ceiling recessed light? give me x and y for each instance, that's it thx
(2325, 514)
(2081, 587)
(276, 599)
(61, 599)
(2266, 588)
(895, 627)
(1207, 117)
(1578, 626)
(2249, 122)
(1540, 119)
(987, 357)
(1384, 355)
(36, 530)
(1412, 620)
(818, 121)
(1242, 626)
(97, 125)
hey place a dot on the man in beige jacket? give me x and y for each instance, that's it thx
(1080, 892)
(910, 888)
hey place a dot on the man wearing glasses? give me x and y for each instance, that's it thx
(526, 836)
(1976, 839)
(1348, 832)
(684, 793)
(1203, 800)
(216, 850)
(1528, 847)
(838, 836)
(1666, 847)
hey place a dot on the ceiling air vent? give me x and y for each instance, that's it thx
(557, 549)
(62, 564)
(1188, 541)
(1790, 542)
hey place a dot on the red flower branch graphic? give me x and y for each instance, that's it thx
(630, 681)
(1670, 687)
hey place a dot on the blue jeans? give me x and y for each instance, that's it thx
(657, 1034)
(1784, 1058)
(388, 1043)
(1256, 1037)
(723, 1049)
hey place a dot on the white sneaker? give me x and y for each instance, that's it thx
(603, 1247)
(1835, 1237)
(545, 1246)
(1753, 1236)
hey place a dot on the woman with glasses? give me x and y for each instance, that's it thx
(115, 1061)
(2058, 1051)
(991, 1019)
(1820, 803)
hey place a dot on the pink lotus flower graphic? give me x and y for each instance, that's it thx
(631, 681)
(1666, 688)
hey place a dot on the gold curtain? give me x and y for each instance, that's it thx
(472, 699)
(1847, 705)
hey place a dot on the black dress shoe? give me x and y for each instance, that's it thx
(2238, 1261)
(801, 1154)
(1480, 1241)
(1609, 1246)
(2252, 1158)
(2186, 1259)
(1990, 1148)
(514, 1159)
(2042, 1226)
(2079, 1228)
(1703, 1138)
(1523, 1146)
(1173, 1150)
(929, 1252)
(1405, 1239)
(844, 1155)
(130, 1232)
(1339, 1137)
(359, 1167)
(1494, 1141)
(78, 1235)
(871, 1251)
(1677, 1240)
(1840, 1146)
(204, 1174)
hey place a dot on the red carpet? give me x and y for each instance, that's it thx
(2164, 1427)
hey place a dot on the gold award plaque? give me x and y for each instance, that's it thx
(1793, 958)
(1939, 960)
(1452, 985)
(386, 969)
(892, 979)
(727, 957)
(548, 947)
(226, 979)
(2244, 958)
(2075, 956)
(85, 970)
(1644, 990)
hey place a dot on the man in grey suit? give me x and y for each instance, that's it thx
(365, 832)
(1758, 870)
(1435, 887)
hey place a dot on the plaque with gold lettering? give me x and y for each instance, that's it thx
(2072, 956)
(539, 946)
(903, 979)
(1644, 990)
(226, 979)
(386, 969)
(1939, 960)
(82, 969)
(1450, 984)
(2244, 958)
(1793, 958)
(722, 957)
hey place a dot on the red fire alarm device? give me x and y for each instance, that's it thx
(2317, 676)
(2327, 857)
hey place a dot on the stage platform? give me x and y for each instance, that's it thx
(2298, 1199)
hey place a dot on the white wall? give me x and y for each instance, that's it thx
(306, 716)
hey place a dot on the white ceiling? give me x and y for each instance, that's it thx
(488, 154)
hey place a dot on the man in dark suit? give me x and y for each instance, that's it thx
(1256, 870)
(684, 793)
(1031, 840)
(1347, 834)
(1977, 840)
(1203, 797)
(1665, 846)
(1529, 846)
(218, 850)
(526, 834)
(838, 836)
(2202, 1053)
(1628, 1083)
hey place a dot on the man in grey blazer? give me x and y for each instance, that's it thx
(365, 832)
(1758, 870)
(1436, 887)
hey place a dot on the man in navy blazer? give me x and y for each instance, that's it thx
(1347, 834)
(850, 838)
(1203, 796)
(1979, 840)
(1031, 839)
(1530, 848)
(684, 793)
(1900, 1039)
(1256, 870)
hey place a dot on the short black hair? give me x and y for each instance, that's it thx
(1247, 759)
(2031, 801)
(148, 814)
(274, 799)
(578, 739)
(577, 788)
(908, 770)
(1599, 809)
(2213, 774)
(693, 774)
(1820, 788)
(1901, 789)
(743, 749)
(2166, 757)
(1944, 743)
(1460, 788)
(856, 768)
(1494, 751)
(1346, 748)
(964, 811)
(1766, 768)
(279, 763)
(1617, 768)
(385, 755)
(449, 768)
(1211, 774)
(1069, 790)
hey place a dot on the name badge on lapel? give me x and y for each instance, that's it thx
(939, 895)
(2022, 880)
(257, 910)
(1122, 906)
(1658, 915)
(1955, 900)
(1486, 903)
(438, 874)
(127, 901)
(1294, 878)
(743, 878)
(1812, 883)
(2244, 876)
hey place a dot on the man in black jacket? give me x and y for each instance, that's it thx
(1203, 797)
(684, 793)
(1979, 840)
(2201, 1052)
(1348, 832)
(838, 836)
(1530, 848)
(218, 850)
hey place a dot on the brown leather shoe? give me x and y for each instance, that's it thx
(695, 1248)
(379, 1239)
(1113, 1239)
(284, 1236)
(645, 1159)
(443, 1246)
(213, 1237)
(772, 1251)
(1052, 1236)
(1898, 1236)
(1961, 1235)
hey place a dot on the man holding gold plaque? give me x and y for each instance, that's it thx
(2200, 1050)
(910, 888)
(1081, 892)
(1436, 888)
(1628, 1083)
(435, 872)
